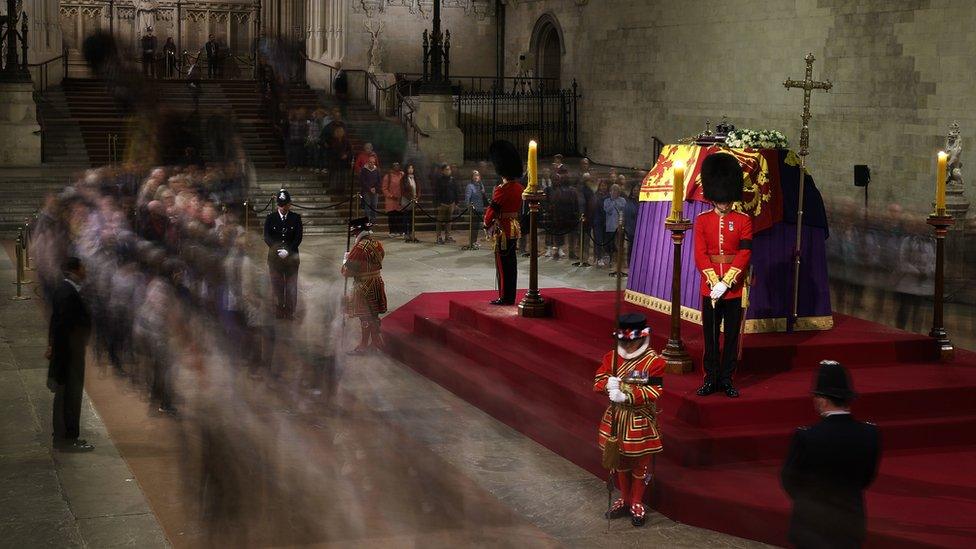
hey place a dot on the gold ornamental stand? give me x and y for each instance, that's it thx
(675, 352)
(941, 222)
(533, 305)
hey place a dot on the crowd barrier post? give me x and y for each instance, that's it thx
(582, 236)
(19, 252)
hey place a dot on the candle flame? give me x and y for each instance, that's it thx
(943, 154)
(679, 164)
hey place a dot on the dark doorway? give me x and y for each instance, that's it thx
(548, 52)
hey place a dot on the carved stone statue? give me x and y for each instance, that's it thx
(145, 14)
(374, 54)
(953, 146)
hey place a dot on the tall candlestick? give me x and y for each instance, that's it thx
(940, 184)
(533, 166)
(678, 193)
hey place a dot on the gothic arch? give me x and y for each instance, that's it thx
(547, 47)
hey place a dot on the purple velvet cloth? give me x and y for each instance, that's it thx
(772, 260)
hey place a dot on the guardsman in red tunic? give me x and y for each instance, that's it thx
(363, 264)
(723, 246)
(631, 376)
(502, 217)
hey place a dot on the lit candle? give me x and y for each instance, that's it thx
(678, 193)
(533, 166)
(940, 184)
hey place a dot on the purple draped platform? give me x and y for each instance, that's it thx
(649, 283)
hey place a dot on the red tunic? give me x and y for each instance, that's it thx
(364, 263)
(723, 246)
(637, 418)
(502, 215)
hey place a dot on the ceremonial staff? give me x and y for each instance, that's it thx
(808, 84)
(611, 449)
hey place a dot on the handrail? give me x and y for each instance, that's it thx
(406, 117)
(42, 68)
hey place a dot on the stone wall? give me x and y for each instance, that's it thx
(471, 23)
(902, 71)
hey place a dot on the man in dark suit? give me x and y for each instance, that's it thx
(67, 340)
(283, 235)
(829, 466)
(148, 45)
(213, 57)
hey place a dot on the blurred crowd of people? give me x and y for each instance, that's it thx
(881, 259)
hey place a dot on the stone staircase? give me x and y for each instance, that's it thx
(62, 143)
(23, 196)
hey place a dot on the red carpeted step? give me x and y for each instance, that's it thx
(487, 389)
(527, 374)
(853, 341)
(888, 391)
(926, 492)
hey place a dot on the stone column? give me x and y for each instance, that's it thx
(20, 135)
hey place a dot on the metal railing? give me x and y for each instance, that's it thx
(507, 84)
(40, 72)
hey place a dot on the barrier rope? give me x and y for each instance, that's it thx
(320, 208)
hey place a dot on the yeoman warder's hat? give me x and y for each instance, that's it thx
(721, 178)
(506, 158)
(283, 197)
(833, 381)
(632, 326)
(360, 224)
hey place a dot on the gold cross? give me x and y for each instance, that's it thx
(808, 84)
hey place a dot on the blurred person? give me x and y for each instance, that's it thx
(829, 466)
(370, 185)
(68, 332)
(169, 57)
(340, 83)
(212, 48)
(363, 264)
(598, 221)
(584, 166)
(297, 132)
(915, 280)
(340, 158)
(151, 335)
(362, 157)
(583, 193)
(477, 199)
(501, 217)
(565, 214)
(613, 212)
(630, 219)
(283, 235)
(558, 168)
(446, 198)
(723, 249)
(409, 194)
(632, 380)
(314, 145)
(392, 192)
(148, 45)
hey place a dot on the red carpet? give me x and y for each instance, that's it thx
(720, 467)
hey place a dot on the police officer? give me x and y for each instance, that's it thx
(283, 235)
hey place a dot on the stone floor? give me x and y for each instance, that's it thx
(56, 499)
(491, 485)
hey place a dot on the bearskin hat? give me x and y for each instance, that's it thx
(721, 177)
(506, 158)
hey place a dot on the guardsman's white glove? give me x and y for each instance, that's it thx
(613, 384)
(618, 396)
(282, 253)
(719, 289)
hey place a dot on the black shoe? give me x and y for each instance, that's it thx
(501, 301)
(78, 445)
(706, 389)
(619, 509)
(637, 515)
(731, 391)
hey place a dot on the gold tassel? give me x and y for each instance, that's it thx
(611, 454)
